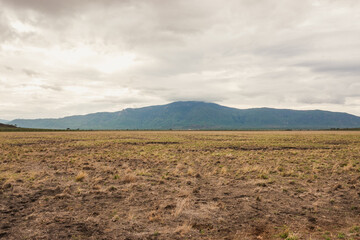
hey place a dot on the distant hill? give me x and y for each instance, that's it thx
(12, 128)
(6, 127)
(199, 115)
(3, 121)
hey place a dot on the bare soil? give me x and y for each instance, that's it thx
(180, 185)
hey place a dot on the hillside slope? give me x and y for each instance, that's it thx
(199, 115)
(6, 127)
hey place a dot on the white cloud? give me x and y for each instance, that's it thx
(67, 57)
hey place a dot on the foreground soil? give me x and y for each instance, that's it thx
(180, 185)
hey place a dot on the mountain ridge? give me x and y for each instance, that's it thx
(198, 115)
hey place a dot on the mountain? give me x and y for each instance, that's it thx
(3, 121)
(198, 115)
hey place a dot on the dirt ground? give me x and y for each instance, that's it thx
(180, 185)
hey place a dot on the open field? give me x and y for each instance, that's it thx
(180, 185)
(12, 128)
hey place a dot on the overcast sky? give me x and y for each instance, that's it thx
(67, 57)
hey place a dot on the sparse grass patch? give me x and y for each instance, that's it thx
(225, 184)
(154, 216)
(190, 171)
(181, 204)
(341, 236)
(183, 229)
(355, 229)
(143, 172)
(80, 177)
(129, 178)
(263, 176)
(224, 170)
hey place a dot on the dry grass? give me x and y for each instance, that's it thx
(129, 178)
(209, 185)
(184, 229)
(180, 206)
(80, 176)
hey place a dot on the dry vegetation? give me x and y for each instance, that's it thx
(180, 185)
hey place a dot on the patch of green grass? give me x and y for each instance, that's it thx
(341, 236)
(355, 229)
(284, 234)
(263, 176)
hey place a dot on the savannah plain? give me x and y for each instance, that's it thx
(180, 185)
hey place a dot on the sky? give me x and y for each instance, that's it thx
(70, 57)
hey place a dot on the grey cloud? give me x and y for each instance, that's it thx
(275, 53)
(192, 95)
(284, 49)
(333, 67)
(30, 73)
(54, 88)
(120, 99)
(6, 32)
(9, 68)
(311, 99)
(48, 6)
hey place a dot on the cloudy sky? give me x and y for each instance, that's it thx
(60, 58)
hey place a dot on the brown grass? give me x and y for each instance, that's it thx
(129, 178)
(80, 176)
(210, 185)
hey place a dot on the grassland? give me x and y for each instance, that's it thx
(180, 185)
(12, 128)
